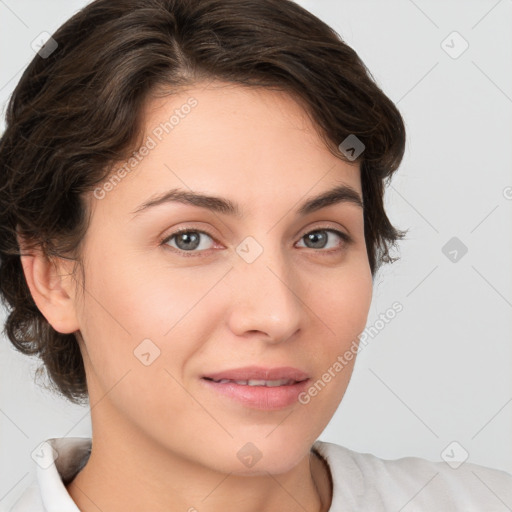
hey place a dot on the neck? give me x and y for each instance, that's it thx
(128, 471)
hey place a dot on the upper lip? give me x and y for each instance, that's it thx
(260, 373)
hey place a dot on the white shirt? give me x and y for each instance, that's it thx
(361, 482)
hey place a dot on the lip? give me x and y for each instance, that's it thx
(259, 397)
(260, 373)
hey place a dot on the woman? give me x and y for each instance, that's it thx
(192, 217)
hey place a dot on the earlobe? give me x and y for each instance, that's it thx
(50, 287)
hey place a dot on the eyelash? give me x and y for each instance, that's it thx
(346, 239)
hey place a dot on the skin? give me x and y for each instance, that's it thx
(162, 440)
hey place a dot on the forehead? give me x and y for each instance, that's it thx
(254, 143)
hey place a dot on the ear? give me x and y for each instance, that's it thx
(51, 286)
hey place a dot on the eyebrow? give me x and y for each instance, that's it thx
(339, 194)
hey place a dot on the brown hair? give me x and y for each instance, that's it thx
(79, 109)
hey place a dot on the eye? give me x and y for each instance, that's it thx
(318, 238)
(187, 240)
(194, 241)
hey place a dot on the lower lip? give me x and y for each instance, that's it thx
(260, 397)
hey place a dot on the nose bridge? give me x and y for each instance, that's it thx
(265, 293)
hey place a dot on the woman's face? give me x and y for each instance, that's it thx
(273, 285)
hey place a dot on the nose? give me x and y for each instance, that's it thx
(266, 301)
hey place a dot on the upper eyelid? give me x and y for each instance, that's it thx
(178, 231)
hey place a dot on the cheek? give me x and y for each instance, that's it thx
(126, 291)
(130, 300)
(344, 299)
(341, 305)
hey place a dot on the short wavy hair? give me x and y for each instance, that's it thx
(79, 109)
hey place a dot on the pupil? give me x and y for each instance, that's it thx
(315, 237)
(189, 240)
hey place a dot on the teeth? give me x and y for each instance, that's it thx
(254, 382)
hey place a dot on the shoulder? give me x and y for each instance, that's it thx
(413, 483)
(57, 461)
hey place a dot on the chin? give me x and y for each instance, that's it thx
(274, 467)
(265, 456)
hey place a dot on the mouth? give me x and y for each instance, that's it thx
(259, 375)
(257, 382)
(259, 388)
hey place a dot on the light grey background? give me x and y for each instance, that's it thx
(440, 371)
